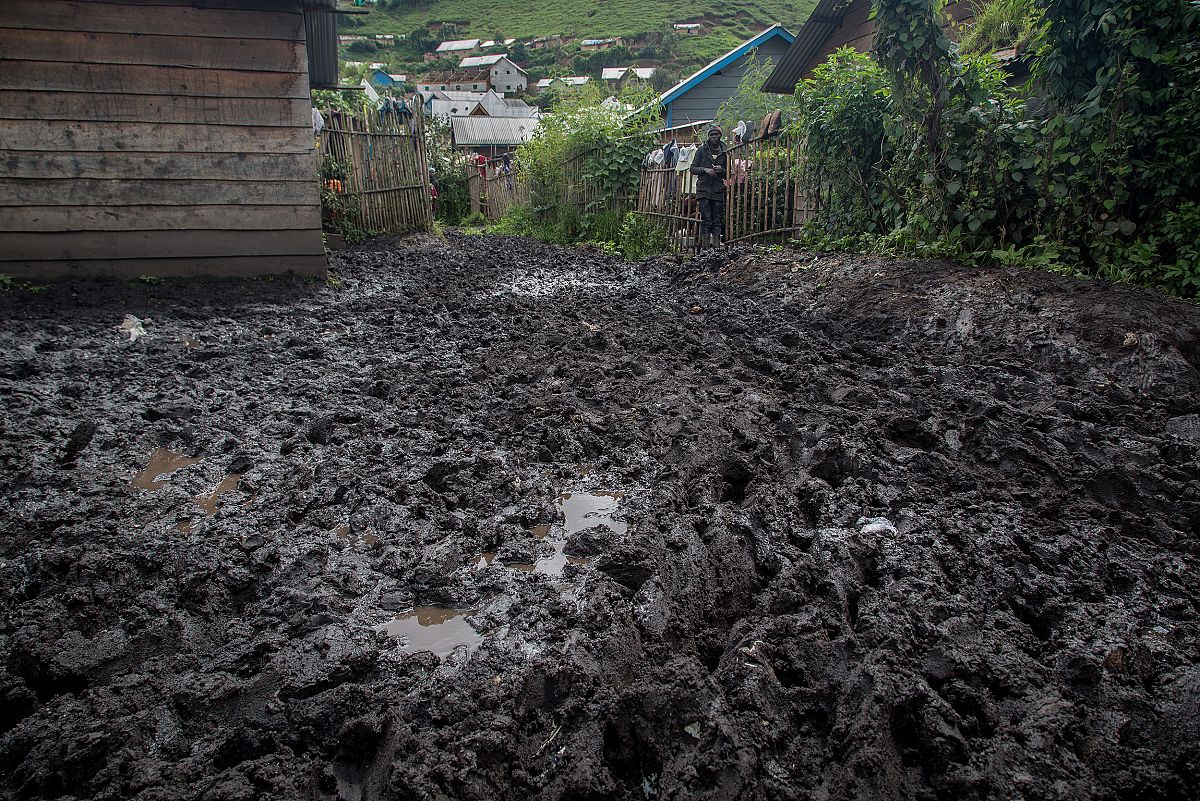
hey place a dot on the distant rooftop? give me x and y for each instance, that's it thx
(457, 44)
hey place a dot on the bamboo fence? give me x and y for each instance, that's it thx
(765, 198)
(384, 177)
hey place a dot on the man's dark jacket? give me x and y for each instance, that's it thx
(710, 186)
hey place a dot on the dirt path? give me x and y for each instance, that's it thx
(494, 520)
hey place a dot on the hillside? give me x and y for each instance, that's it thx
(725, 23)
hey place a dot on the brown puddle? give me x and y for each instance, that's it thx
(343, 531)
(433, 628)
(208, 503)
(162, 463)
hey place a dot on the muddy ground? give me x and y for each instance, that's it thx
(486, 519)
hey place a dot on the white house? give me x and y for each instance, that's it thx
(561, 83)
(503, 74)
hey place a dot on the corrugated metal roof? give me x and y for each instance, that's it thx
(452, 108)
(725, 60)
(457, 44)
(481, 61)
(613, 73)
(809, 40)
(491, 130)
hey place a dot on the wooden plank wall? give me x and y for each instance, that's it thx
(156, 138)
(857, 29)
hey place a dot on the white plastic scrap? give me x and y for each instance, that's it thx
(875, 525)
(132, 326)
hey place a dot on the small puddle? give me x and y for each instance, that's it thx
(190, 344)
(581, 510)
(433, 628)
(162, 463)
(343, 531)
(208, 503)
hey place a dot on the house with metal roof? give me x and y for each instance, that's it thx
(834, 24)
(491, 136)
(699, 96)
(618, 74)
(601, 44)
(456, 46)
(472, 81)
(504, 74)
(562, 82)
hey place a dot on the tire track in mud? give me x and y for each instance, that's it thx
(887, 530)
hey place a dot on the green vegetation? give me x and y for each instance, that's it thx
(587, 143)
(725, 26)
(1091, 168)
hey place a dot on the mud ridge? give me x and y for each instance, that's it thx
(487, 519)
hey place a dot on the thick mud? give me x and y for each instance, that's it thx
(485, 519)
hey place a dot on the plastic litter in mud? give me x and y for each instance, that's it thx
(163, 462)
(433, 628)
(875, 525)
(133, 327)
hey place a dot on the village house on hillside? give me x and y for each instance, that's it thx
(554, 40)
(600, 44)
(687, 28)
(618, 75)
(162, 139)
(466, 81)
(454, 47)
(834, 24)
(503, 74)
(563, 82)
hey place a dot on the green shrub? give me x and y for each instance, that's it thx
(640, 237)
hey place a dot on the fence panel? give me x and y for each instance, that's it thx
(765, 200)
(376, 167)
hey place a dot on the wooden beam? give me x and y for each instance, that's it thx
(266, 55)
(64, 76)
(53, 135)
(107, 192)
(159, 218)
(94, 106)
(186, 267)
(24, 247)
(132, 166)
(166, 20)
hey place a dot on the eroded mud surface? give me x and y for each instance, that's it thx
(862, 530)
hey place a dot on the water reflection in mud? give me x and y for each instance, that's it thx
(162, 463)
(208, 503)
(581, 510)
(433, 628)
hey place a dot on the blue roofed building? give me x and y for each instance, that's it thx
(697, 98)
(386, 80)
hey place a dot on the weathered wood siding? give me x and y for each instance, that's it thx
(702, 100)
(171, 137)
(857, 29)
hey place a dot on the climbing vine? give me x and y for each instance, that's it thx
(1090, 166)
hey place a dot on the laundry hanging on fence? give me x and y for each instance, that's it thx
(683, 165)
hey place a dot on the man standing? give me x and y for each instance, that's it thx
(710, 166)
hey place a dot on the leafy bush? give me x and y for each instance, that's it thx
(639, 237)
(1091, 168)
